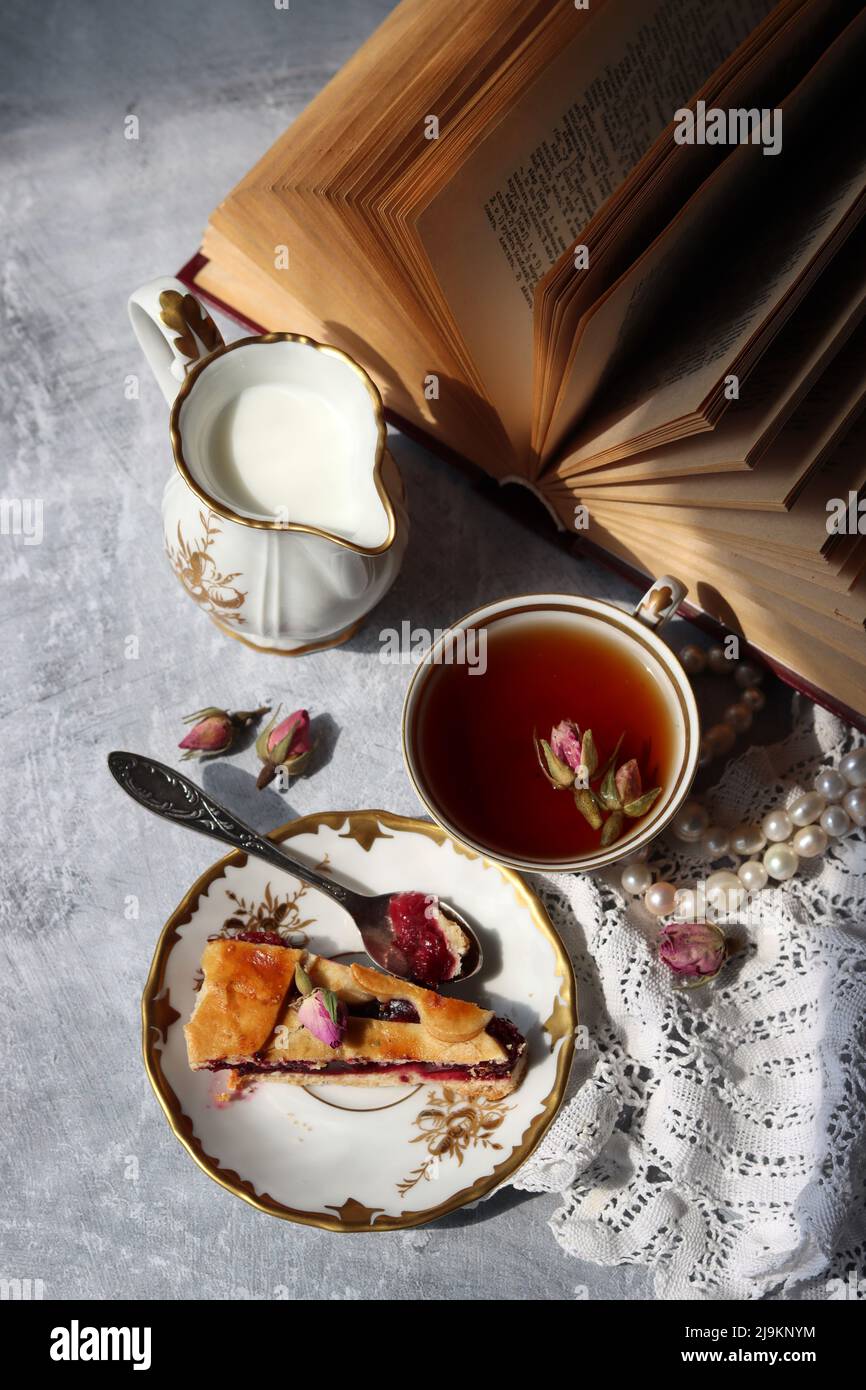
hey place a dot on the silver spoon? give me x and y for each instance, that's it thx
(167, 793)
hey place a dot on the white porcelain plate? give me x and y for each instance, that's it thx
(351, 1158)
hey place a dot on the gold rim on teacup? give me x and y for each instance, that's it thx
(641, 628)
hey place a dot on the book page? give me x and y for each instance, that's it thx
(810, 341)
(741, 251)
(814, 427)
(525, 193)
(760, 75)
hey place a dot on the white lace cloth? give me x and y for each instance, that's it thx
(717, 1135)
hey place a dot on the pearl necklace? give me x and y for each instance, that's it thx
(803, 830)
(720, 738)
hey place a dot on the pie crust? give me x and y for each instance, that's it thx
(246, 1020)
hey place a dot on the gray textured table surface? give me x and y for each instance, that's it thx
(87, 214)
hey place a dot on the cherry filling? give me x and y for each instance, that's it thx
(420, 939)
(390, 1011)
(502, 1029)
(481, 1071)
(508, 1036)
(258, 938)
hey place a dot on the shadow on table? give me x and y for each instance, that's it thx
(506, 1200)
(266, 809)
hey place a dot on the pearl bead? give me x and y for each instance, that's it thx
(810, 841)
(754, 698)
(719, 662)
(739, 716)
(752, 875)
(715, 842)
(694, 659)
(746, 675)
(705, 752)
(777, 825)
(636, 878)
(780, 861)
(720, 738)
(831, 784)
(836, 821)
(725, 892)
(660, 899)
(690, 822)
(747, 839)
(807, 808)
(853, 767)
(686, 908)
(854, 803)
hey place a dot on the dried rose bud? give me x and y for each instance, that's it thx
(589, 755)
(589, 806)
(565, 742)
(285, 745)
(325, 1016)
(558, 773)
(695, 951)
(607, 771)
(642, 804)
(628, 782)
(608, 794)
(214, 730)
(612, 828)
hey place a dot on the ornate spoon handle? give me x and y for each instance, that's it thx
(169, 794)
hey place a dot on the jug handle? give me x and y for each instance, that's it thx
(173, 329)
(660, 602)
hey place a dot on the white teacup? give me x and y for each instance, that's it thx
(637, 634)
(285, 518)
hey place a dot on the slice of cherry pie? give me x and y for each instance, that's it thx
(247, 1019)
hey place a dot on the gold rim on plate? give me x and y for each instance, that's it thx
(157, 1016)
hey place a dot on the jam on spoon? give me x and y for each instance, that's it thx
(432, 945)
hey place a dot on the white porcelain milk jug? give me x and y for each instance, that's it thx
(285, 517)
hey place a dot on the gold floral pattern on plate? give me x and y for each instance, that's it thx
(276, 912)
(450, 1124)
(196, 569)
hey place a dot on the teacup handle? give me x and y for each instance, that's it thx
(660, 602)
(173, 329)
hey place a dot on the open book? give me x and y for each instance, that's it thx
(613, 251)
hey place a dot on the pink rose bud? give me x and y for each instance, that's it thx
(210, 735)
(628, 782)
(694, 950)
(214, 729)
(325, 1016)
(287, 745)
(294, 731)
(565, 743)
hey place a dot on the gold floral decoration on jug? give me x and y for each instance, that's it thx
(194, 566)
(450, 1125)
(186, 317)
